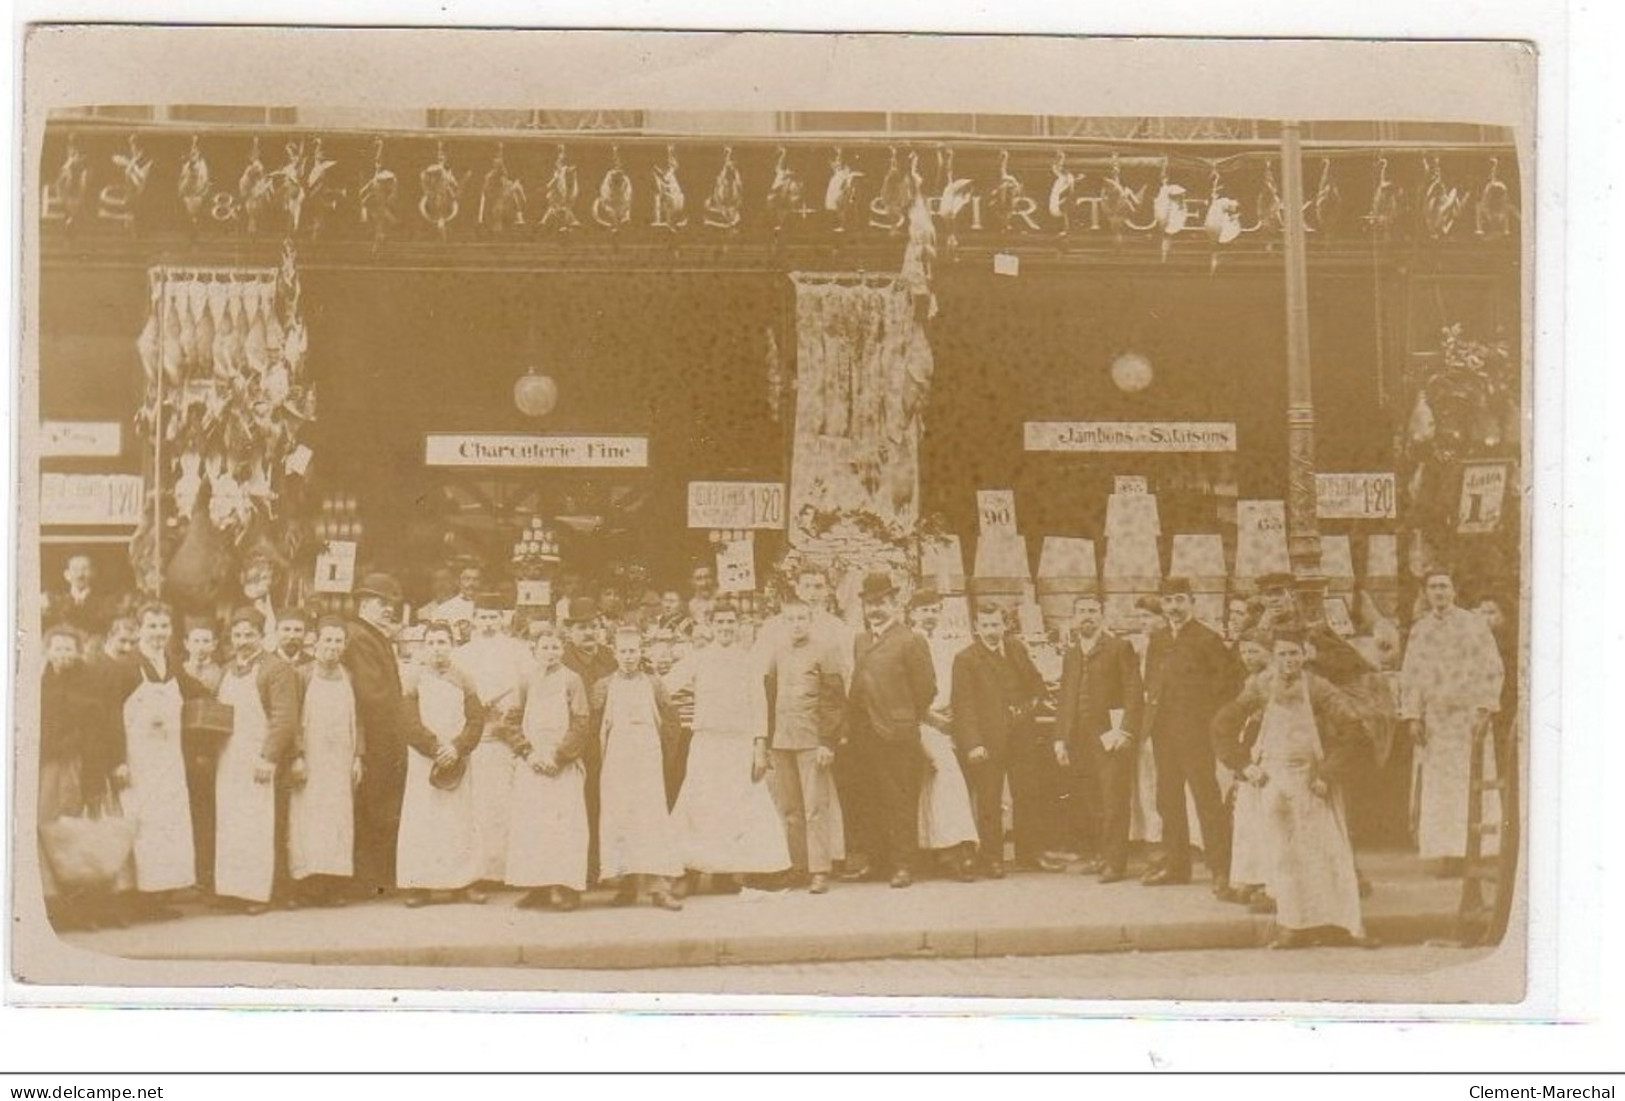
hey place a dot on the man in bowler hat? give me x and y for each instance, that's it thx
(375, 675)
(1189, 675)
(893, 684)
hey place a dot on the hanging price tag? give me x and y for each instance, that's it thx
(997, 510)
(736, 565)
(335, 567)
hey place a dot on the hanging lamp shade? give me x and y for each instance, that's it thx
(535, 394)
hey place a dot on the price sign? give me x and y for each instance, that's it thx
(114, 499)
(534, 593)
(736, 506)
(736, 565)
(997, 510)
(335, 567)
(1130, 483)
(1355, 496)
(1483, 493)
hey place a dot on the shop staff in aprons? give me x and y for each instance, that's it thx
(635, 723)
(547, 818)
(726, 822)
(592, 662)
(375, 674)
(152, 770)
(438, 848)
(497, 664)
(324, 775)
(263, 693)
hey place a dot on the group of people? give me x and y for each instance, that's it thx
(697, 747)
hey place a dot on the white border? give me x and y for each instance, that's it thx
(1569, 475)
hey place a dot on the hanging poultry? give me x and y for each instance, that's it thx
(563, 191)
(613, 207)
(194, 181)
(840, 196)
(722, 206)
(784, 196)
(669, 202)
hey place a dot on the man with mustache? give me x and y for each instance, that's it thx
(893, 684)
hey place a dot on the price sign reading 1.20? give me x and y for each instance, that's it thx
(736, 506)
(1354, 496)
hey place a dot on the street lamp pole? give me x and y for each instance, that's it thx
(1303, 532)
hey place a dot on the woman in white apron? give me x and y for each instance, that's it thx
(1311, 861)
(255, 686)
(321, 809)
(154, 769)
(945, 820)
(547, 816)
(1249, 848)
(635, 836)
(438, 849)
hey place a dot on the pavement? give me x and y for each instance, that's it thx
(1027, 914)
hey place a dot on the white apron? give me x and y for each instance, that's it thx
(635, 835)
(1444, 765)
(245, 811)
(165, 859)
(438, 847)
(547, 815)
(1249, 848)
(1311, 875)
(321, 815)
(727, 823)
(945, 816)
(491, 771)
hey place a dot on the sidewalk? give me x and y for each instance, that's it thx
(1033, 914)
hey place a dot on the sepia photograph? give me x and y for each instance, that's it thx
(850, 538)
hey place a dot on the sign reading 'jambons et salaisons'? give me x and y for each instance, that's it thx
(1130, 436)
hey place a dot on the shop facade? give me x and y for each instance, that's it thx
(587, 357)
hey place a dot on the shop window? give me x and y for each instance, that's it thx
(833, 122)
(533, 119)
(220, 114)
(128, 112)
(932, 122)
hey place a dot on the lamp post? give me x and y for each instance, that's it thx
(1303, 531)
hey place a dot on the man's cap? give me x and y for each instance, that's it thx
(583, 609)
(247, 615)
(1275, 580)
(924, 598)
(1175, 586)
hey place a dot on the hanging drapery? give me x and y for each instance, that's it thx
(863, 369)
(227, 397)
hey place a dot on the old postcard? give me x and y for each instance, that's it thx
(549, 512)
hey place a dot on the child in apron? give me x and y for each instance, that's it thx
(438, 849)
(321, 809)
(635, 835)
(547, 808)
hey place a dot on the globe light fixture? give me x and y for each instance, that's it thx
(535, 394)
(1131, 372)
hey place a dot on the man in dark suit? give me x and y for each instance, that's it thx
(591, 660)
(1099, 715)
(893, 684)
(995, 692)
(81, 604)
(375, 676)
(1189, 675)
